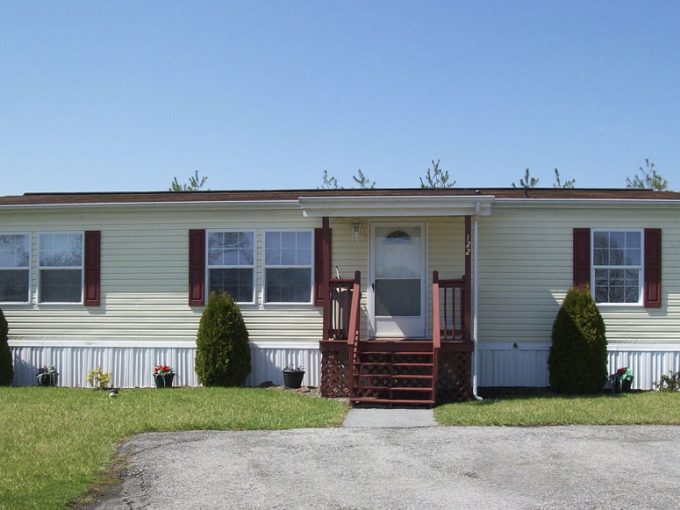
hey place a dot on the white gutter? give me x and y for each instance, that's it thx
(194, 204)
(584, 202)
(475, 304)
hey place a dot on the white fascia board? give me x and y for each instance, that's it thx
(605, 203)
(392, 206)
(131, 206)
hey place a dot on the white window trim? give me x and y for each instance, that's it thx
(265, 267)
(208, 267)
(81, 267)
(30, 268)
(640, 302)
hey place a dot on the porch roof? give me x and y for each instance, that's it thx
(361, 206)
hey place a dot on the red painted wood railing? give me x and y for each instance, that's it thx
(341, 317)
(338, 320)
(436, 333)
(448, 309)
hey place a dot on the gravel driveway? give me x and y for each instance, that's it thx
(440, 467)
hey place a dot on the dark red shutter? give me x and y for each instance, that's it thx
(581, 258)
(196, 267)
(322, 262)
(93, 240)
(652, 291)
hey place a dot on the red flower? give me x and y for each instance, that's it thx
(162, 369)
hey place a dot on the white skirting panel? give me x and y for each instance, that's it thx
(648, 363)
(507, 364)
(131, 363)
(268, 359)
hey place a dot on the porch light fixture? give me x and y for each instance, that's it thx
(356, 231)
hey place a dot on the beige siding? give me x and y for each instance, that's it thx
(525, 269)
(144, 276)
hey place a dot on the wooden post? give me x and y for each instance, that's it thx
(467, 316)
(322, 287)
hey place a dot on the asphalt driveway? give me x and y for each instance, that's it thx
(437, 467)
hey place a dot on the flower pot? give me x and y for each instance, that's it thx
(293, 378)
(46, 379)
(164, 380)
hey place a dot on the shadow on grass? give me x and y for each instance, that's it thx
(501, 394)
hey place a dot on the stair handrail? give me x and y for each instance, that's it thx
(353, 325)
(353, 329)
(436, 333)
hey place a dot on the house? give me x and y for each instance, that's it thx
(347, 283)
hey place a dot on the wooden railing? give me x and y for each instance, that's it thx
(448, 309)
(341, 312)
(341, 317)
(436, 332)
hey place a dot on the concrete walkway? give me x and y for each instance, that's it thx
(389, 418)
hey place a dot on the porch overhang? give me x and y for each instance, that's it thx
(392, 206)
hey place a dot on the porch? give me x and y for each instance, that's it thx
(410, 336)
(402, 371)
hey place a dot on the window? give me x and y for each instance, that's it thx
(288, 267)
(231, 264)
(60, 261)
(617, 266)
(14, 268)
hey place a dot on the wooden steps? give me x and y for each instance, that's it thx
(393, 372)
(391, 401)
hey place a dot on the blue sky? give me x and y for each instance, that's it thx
(125, 95)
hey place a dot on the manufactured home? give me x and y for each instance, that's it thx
(395, 295)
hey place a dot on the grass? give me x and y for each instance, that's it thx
(57, 443)
(646, 408)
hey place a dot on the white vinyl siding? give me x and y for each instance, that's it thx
(526, 268)
(144, 276)
(231, 264)
(525, 264)
(15, 268)
(60, 267)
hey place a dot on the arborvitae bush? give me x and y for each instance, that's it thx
(222, 350)
(6, 369)
(578, 356)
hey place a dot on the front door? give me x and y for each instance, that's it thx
(397, 288)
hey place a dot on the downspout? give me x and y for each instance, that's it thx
(475, 302)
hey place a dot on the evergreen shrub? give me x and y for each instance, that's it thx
(6, 368)
(222, 350)
(578, 355)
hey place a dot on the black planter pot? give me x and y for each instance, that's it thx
(47, 379)
(164, 380)
(293, 378)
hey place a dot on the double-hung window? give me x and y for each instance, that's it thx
(60, 259)
(231, 264)
(617, 266)
(14, 268)
(288, 266)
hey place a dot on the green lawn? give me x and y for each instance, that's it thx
(56, 443)
(648, 408)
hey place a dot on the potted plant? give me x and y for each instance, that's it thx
(292, 376)
(98, 378)
(47, 376)
(163, 375)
